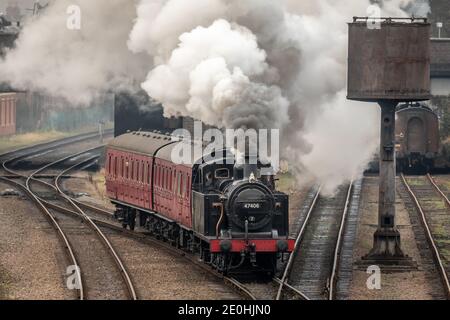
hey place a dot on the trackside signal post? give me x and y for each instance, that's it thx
(388, 65)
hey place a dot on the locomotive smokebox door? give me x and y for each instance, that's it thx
(388, 63)
(389, 59)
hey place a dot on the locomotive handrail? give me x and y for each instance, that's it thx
(220, 206)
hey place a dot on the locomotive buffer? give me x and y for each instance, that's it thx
(389, 63)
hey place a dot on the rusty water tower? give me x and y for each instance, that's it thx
(388, 65)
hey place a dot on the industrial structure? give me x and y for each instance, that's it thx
(7, 114)
(388, 65)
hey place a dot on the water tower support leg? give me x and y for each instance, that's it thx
(387, 245)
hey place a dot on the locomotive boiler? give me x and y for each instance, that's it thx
(230, 214)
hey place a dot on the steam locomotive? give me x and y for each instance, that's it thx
(417, 137)
(230, 214)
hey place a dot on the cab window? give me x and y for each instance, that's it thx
(223, 173)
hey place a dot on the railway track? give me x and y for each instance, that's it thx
(23, 152)
(46, 146)
(100, 217)
(57, 212)
(432, 206)
(251, 290)
(70, 230)
(87, 223)
(314, 265)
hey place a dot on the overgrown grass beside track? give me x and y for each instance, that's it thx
(287, 182)
(28, 139)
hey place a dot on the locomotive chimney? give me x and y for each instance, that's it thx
(246, 163)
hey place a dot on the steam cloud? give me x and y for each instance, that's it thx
(75, 64)
(230, 63)
(265, 64)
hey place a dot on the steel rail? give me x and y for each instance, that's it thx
(77, 204)
(430, 239)
(287, 270)
(235, 284)
(27, 187)
(100, 234)
(293, 290)
(30, 150)
(337, 250)
(232, 282)
(66, 243)
(434, 184)
(121, 266)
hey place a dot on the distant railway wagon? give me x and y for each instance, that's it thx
(7, 114)
(417, 135)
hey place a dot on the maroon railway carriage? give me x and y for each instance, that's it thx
(417, 135)
(231, 215)
(7, 114)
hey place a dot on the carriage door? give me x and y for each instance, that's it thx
(416, 136)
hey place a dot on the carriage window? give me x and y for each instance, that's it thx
(167, 179)
(158, 176)
(131, 169)
(127, 169)
(115, 166)
(174, 182)
(222, 173)
(164, 178)
(145, 173)
(179, 184)
(186, 186)
(149, 179)
(142, 171)
(137, 171)
(121, 168)
(183, 183)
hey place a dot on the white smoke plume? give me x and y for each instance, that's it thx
(231, 63)
(270, 64)
(75, 64)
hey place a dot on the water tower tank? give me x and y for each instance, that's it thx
(390, 62)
